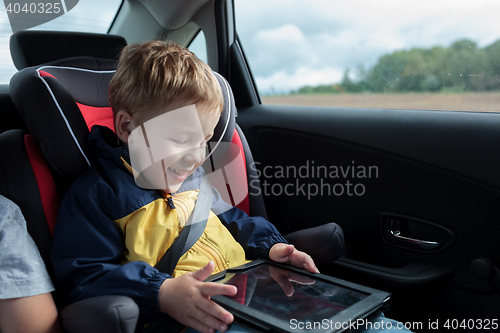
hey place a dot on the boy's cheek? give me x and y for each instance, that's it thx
(149, 170)
(165, 150)
(150, 177)
(145, 153)
(154, 177)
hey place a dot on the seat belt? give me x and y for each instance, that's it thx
(191, 232)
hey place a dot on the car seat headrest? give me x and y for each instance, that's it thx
(61, 92)
(224, 129)
(32, 48)
(60, 104)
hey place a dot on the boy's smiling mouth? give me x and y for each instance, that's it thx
(178, 175)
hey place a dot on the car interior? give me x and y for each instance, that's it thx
(408, 201)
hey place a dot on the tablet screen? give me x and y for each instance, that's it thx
(289, 295)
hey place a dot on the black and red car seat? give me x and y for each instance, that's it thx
(61, 92)
(26, 179)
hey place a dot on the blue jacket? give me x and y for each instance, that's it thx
(88, 246)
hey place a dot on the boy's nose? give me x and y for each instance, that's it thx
(194, 156)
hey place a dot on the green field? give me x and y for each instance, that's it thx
(469, 101)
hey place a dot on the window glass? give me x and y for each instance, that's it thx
(412, 54)
(199, 47)
(86, 16)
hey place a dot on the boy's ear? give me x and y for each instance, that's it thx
(124, 125)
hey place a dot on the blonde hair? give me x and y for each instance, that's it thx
(153, 74)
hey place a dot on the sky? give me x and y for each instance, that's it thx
(290, 43)
(101, 15)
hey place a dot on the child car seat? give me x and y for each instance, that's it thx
(61, 95)
(67, 96)
(25, 179)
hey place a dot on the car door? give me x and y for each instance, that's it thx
(416, 191)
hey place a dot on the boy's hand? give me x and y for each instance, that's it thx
(187, 300)
(288, 254)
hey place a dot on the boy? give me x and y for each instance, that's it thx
(26, 304)
(119, 218)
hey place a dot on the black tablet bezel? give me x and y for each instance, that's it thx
(262, 321)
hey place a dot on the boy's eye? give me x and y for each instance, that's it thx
(203, 144)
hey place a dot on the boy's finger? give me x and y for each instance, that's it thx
(213, 288)
(213, 314)
(204, 272)
(303, 260)
(309, 265)
(288, 250)
(199, 326)
(282, 252)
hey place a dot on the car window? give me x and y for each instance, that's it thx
(412, 54)
(199, 46)
(86, 16)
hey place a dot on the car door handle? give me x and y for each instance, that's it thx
(411, 233)
(423, 244)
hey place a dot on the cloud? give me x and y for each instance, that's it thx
(102, 13)
(282, 82)
(287, 33)
(285, 38)
(281, 49)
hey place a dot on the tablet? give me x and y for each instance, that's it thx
(274, 297)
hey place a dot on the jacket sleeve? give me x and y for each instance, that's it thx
(254, 233)
(87, 250)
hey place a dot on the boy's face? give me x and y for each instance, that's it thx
(168, 148)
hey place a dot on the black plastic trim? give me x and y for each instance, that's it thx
(245, 91)
(462, 142)
(414, 275)
(220, 12)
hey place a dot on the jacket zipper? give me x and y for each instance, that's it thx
(212, 253)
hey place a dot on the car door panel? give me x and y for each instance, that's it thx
(433, 170)
(463, 142)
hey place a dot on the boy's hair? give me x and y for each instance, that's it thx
(153, 74)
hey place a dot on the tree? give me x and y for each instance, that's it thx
(493, 70)
(399, 71)
(461, 67)
(385, 75)
(348, 85)
(468, 65)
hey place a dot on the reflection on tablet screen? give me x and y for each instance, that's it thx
(288, 295)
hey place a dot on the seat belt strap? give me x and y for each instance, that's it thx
(191, 232)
